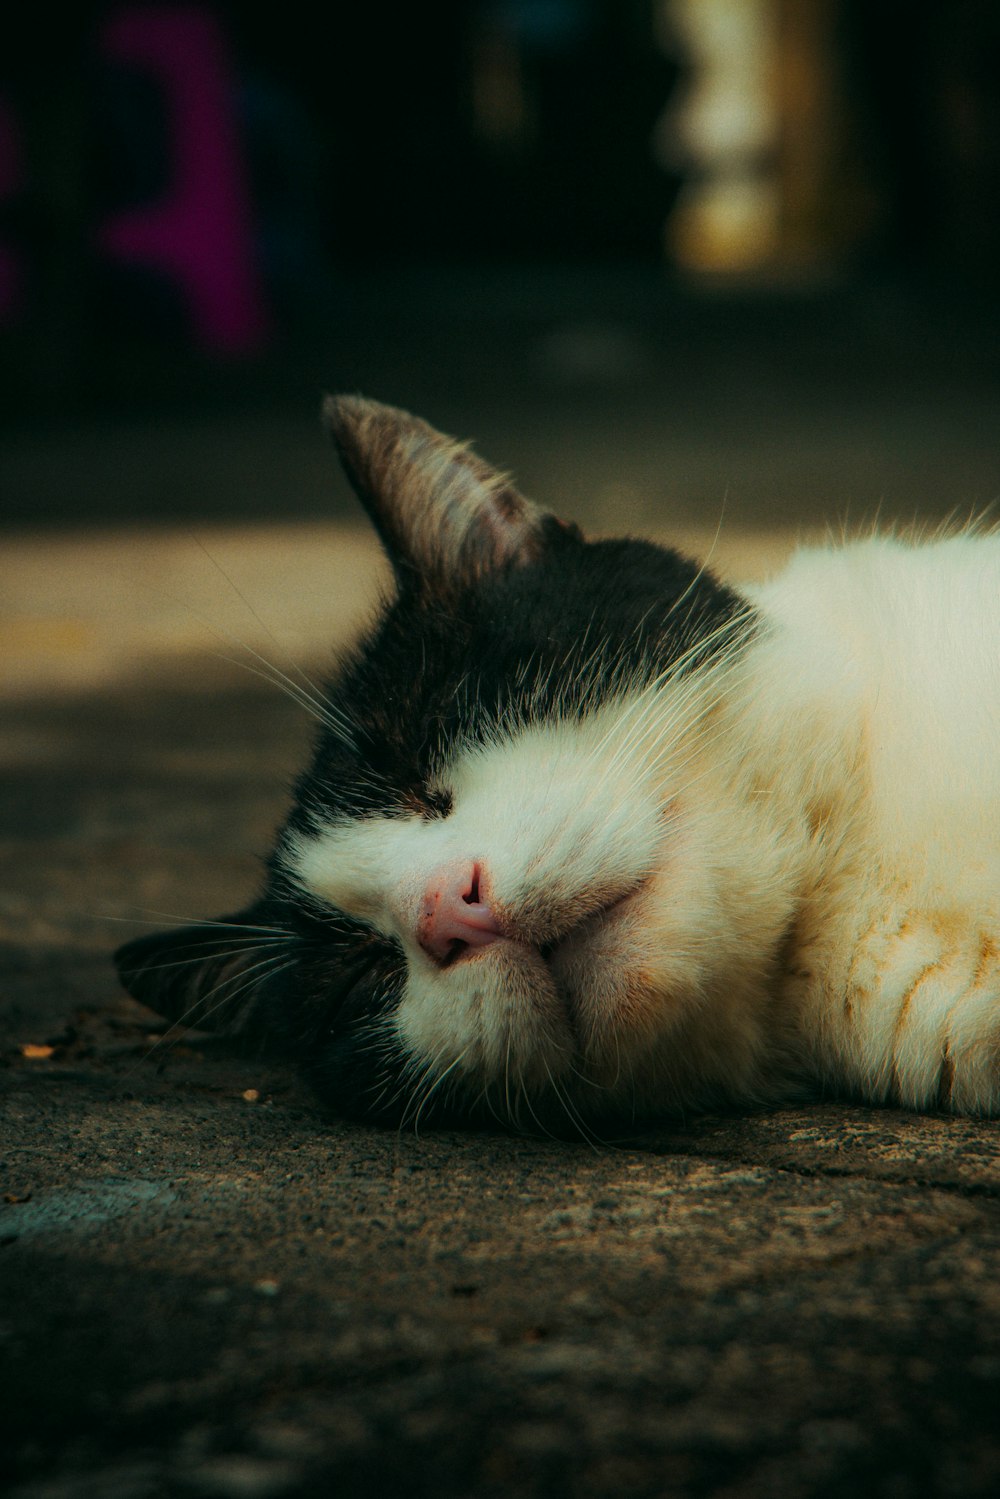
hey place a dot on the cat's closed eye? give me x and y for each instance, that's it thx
(436, 802)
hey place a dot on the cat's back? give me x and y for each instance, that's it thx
(908, 638)
(881, 592)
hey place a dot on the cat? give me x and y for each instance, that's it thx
(590, 836)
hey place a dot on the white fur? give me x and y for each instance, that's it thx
(784, 868)
(893, 652)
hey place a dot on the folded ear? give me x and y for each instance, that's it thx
(213, 975)
(441, 511)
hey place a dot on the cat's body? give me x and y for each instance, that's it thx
(589, 835)
(881, 675)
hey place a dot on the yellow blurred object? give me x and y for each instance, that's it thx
(757, 133)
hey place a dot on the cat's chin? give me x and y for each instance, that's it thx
(493, 1016)
(613, 1001)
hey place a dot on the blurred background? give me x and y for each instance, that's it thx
(667, 260)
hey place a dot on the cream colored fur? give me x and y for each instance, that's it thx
(889, 655)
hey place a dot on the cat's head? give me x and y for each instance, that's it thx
(507, 883)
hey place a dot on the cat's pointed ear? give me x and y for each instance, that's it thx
(213, 975)
(442, 512)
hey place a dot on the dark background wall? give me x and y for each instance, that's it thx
(487, 208)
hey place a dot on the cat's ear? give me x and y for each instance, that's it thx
(444, 515)
(213, 975)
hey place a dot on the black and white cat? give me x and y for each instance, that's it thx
(588, 834)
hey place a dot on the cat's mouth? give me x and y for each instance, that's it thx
(553, 950)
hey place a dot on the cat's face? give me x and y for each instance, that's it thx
(507, 883)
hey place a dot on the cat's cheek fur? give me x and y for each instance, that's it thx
(373, 869)
(692, 954)
(560, 820)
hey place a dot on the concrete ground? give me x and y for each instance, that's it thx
(212, 1289)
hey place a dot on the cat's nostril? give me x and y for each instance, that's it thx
(452, 916)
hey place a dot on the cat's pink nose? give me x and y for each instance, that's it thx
(452, 916)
